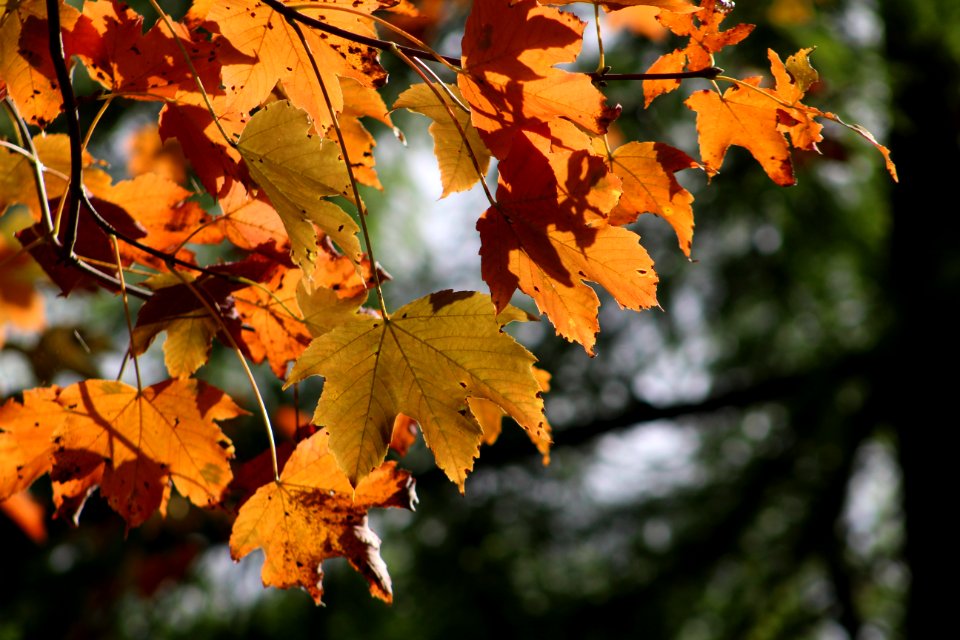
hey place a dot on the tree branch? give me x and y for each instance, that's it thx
(384, 45)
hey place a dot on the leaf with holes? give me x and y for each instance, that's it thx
(298, 169)
(313, 513)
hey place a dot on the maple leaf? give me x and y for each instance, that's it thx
(214, 160)
(425, 362)
(759, 119)
(278, 333)
(297, 170)
(647, 170)
(25, 65)
(313, 513)
(20, 303)
(140, 65)
(509, 79)
(278, 55)
(452, 148)
(146, 439)
(746, 118)
(26, 430)
(360, 101)
(705, 39)
(530, 241)
(168, 218)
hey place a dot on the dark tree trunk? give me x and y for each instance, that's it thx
(924, 275)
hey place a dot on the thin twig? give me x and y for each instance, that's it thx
(708, 73)
(24, 134)
(243, 363)
(456, 123)
(292, 16)
(126, 310)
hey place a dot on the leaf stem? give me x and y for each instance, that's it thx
(126, 310)
(193, 71)
(96, 120)
(601, 64)
(243, 363)
(23, 132)
(346, 159)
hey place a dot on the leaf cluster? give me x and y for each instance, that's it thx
(262, 109)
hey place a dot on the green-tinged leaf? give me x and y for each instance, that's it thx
(425, 362)
(298, 170)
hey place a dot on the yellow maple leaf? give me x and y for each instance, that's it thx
(452, 148)
(298, 170)
(425, 362)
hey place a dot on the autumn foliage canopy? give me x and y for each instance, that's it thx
(263, 109)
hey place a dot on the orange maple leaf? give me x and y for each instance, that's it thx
(20, 303)
(745, 118)
(145, 440)
(312, 514)
(649, 186)
(169, 219)
(278, 333)
(25, 65)
(276, 54)
(531, 241)
(145, 66)
(510, 82)
(759, 119)
(26, 430)
(706, 39)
